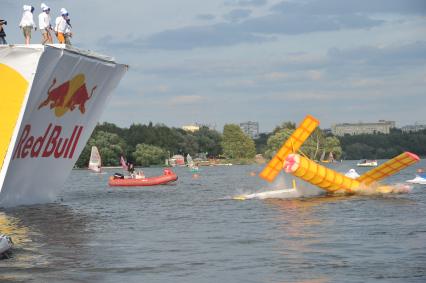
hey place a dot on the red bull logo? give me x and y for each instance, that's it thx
(51, 144)
(69, 95)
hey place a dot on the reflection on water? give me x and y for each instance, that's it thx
(44, 236)
(10, 226)
(182, 233)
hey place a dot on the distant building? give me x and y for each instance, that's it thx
(418, 126)
(250, 128)
(381, 126)
(191, 128)
(176, 160)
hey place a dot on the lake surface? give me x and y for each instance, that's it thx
(193, 232)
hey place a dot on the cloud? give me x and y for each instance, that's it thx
(205, 17)
(191, 37)
(237, 14)
(308, 75)
(367, 82)
(291, 96)
(392, 55)
(294, 24)
(338, 7)
(185, 99)
(251, 31)
(246, 3)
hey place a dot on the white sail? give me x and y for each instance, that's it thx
(189, 161)
(95, 161)
(322, 156)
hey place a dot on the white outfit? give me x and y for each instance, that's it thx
(27, 18)
(62, 25)
(57, 20)
(44, 20)
(352, 174)
(68, 29)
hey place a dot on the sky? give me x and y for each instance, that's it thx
(229, 61)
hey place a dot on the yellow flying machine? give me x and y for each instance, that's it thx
(327, 179)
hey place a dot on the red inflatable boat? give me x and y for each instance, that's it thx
(168, 177)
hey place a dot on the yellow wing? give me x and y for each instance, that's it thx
(388, 168)
(293, 143)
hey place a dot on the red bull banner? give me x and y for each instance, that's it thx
(60, 103)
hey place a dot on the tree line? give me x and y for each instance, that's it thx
(150, 144)
(383, 146)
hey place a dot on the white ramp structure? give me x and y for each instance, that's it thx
(51, 98)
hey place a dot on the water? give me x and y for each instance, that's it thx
(193, 232)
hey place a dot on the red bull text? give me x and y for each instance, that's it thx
(68, 96)
(50, 144)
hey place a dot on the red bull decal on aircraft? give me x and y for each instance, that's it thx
(68, 95)
(50, 143)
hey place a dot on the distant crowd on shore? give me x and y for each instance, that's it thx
(61, 29)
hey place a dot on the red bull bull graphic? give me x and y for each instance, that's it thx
(68, 95)
(58, 113)
(50, 144)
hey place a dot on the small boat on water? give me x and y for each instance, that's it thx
(5, 244)
(119, 180)
(419, 179)
(367, 163)
(95, 161)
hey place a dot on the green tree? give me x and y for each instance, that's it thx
(146, 155)
(236, 144)
(262, 142)
(332, 144)
(313, 146)
(189, 144)
(209, 141)
(359, 151)
(284, 125)
(276, 141)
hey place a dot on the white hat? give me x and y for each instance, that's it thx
(63, 11)
(27, 8)
(44, 7)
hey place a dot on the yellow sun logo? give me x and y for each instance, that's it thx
(13, 87)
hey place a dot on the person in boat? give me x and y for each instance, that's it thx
(167, 171)
(352, 174)
(131, 169)
(140, 175)
(27, 23)
(44, 24)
